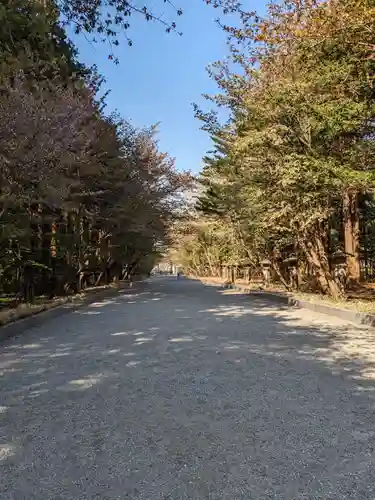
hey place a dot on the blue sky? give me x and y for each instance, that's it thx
(162, 74)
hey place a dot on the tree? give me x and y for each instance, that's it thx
(301, 104)
(32, 39)
(84, 198)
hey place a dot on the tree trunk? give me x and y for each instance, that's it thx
(318, 259)
(351, 234)
(210, 264)
(276, 268)
(69, 238)
(99, 278)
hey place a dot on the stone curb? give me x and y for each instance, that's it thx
(39, 318)
(356, 317)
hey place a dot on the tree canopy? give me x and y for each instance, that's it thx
(85, 197)
(296, 159)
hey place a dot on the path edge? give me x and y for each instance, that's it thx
(40, 318)
(356, 317)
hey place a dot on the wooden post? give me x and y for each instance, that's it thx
(232, 276)
(248, 274)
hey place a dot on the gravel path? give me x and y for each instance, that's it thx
(179, 391)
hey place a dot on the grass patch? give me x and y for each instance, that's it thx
(40, 304)
(24, 310)
(352, 304)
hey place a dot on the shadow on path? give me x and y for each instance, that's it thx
(175, 388)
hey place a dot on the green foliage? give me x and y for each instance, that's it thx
(300, 94)
(84, 197)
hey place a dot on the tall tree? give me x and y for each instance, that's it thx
(301, 102)
(84, 197)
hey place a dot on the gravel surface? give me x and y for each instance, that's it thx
(175, 390)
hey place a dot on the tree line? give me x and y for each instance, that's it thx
(85, 198)
(291, 174)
